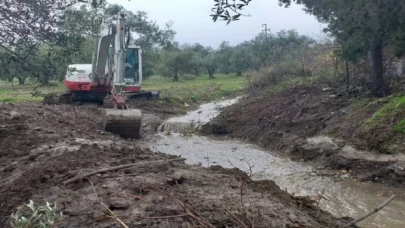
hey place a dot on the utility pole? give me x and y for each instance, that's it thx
(265, 28)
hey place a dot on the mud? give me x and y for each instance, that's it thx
(284, 122)
(43, 145)
(336, 191)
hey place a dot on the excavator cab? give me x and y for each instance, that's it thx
(133, 68)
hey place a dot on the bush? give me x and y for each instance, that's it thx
(35, 217)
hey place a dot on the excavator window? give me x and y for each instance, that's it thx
(131, 76)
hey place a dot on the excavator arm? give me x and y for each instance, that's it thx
(109, 68)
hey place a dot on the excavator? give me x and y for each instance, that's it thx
(112, 79)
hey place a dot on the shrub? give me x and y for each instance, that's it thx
(31, 216)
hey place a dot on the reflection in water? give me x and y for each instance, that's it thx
(345, 198)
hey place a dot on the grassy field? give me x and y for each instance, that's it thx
(197, 89)
(194, 89)
(21, 93)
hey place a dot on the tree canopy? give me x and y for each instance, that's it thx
(360, 26)
(42, 37)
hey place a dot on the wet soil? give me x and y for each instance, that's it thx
(336, 191)
(41, 146)
(292, 121)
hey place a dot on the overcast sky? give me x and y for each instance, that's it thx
(193, 24)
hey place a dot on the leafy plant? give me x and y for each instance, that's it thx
(30, 216)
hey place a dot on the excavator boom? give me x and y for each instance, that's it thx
(119, 119)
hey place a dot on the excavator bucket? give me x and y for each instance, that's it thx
(123, 122)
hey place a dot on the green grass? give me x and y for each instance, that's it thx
(197, 89)
(194, 89)
(395, 107)
(400, 128)
(282, 85)
(22, 93)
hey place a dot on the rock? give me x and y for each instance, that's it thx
(98, 215)
(320, 167)
(37, 128)
(344, 112)
(105, 186)
(15, 115)
(345, 177)
(179, 220)
(158, 199)
(72, 212)
(118, 204)
(177, 178)
(313, 174)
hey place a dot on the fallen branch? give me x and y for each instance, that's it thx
(385, 203)
(236, 218)
(114, 216)
(81, 177)
(74, 110)
(162, 217)
(190, 211)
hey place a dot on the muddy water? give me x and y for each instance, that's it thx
(194, 119)
(344, 197)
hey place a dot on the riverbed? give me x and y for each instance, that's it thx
(336, 191)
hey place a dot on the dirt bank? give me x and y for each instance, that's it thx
(297, 121)
(41, 146)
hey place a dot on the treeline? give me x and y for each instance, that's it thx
(38, 46)
(41, 39)
(287, 52)
(365, 31)
(43, 53)
(272, 58)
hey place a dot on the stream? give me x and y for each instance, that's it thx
(345, 196)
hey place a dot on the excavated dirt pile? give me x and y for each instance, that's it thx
(314, 123)
(44, 146)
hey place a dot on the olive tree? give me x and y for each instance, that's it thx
(360, 26)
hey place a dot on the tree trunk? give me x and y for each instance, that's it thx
(21, 81)
(377, 79)
(196, 72)
(210, 74)
(175, 76)
(238, 73)
(347, 76)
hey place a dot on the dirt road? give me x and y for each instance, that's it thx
(41, 146)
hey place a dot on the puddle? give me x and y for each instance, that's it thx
(344, 197)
